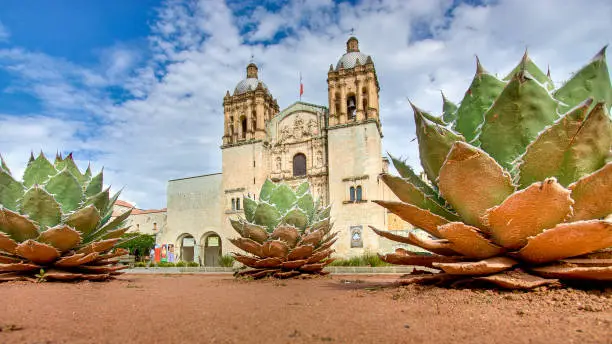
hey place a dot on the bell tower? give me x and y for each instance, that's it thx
(354, 137)
(247, 111)
(353, 88)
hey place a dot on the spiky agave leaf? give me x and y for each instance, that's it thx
(286, 233)
(53, 220)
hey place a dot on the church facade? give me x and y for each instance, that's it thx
(337, 148)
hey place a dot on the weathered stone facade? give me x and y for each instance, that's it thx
(337, 148)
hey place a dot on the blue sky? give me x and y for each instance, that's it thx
(137, 86)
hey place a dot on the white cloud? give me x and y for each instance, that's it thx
(173, 126)
(4, 33)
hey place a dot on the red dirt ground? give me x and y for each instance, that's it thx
(339, 309)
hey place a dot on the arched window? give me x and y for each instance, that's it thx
(299, 165)
(244, 127)
(237, 203)
(233, 204)
(359, 193)
(351, 107)
(352, 193)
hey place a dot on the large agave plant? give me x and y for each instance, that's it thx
(57, 220)
(518, 181)
(286, 232)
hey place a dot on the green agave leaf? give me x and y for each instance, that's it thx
(408, 173)
(38, 171)
(237, 224)
(302, 188)
(323, 213)
(409, 193)
(112, 225)
(573, 147)
(478, 98)
(41, 207)
(94, 186)
(105, 219)
(87, 173)
(592, 80)
(283, 198)
(100, 200)
(516, 118)
(435, 142)
(449, 110)
(17, 226)
(84, 220)
(267, 215)
(266, 190)
(528, 65)
(66, 190)
(306, 204)
(434, 119)
(249, 208)
(4, 166)
(10, 190)
(111, 202)
(69, 164)
(296, 217)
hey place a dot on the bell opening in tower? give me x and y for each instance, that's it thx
(351, 108)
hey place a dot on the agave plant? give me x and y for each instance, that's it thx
(286, 232)
(518, 182)
(57, 223)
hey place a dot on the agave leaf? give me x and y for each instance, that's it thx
(449, 110)
(7, 244)
(420, 218)
(275, 249)
(518, 279)
(113, 224)
(483, 267)
(38, 171)
(84, 220)
(565, 272)
(267, 215)
(283, 198)
(323, 213)
(302, 189)
(94, 186)
(255, 232)
(469, 241)
(10, 190)
(409, 193)
(237, 224)
(87, 174)
(266, 190)
(527, 64)
(435, 119)
(100, 246)
(36, 252)
(117, 233)
(69, 164)
(17, 226)
(288, 234)
(408, 173)
(472, 182)
(592, 80)
(249, 208)
(62, 237)
(66, 189)
(528, 212)
(478, 98)
(306, 204)
(100, 200)
(296, 217)
(434, 143)
(593, 195)
(573, 147)
(4, 166)
(567, 240)
(516, 118)
(41, 207)
(111, 203)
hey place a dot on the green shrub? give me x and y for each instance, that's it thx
(164, 264)
(367, 259)
(140, 264)
(227, 261)
(180, 264)
(193, 264)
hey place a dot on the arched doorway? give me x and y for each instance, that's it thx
(187, 244)
(211, 243)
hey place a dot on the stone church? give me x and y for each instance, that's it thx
(337, 148)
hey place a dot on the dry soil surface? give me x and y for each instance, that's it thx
(337, 309)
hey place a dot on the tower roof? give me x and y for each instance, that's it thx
(352, 55)
(251, 82)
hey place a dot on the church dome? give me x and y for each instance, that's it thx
(349, 60)
(249, 84)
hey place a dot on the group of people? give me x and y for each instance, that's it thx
(162, 253)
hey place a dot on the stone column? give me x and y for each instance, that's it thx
(359, 112)
(343, 111)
